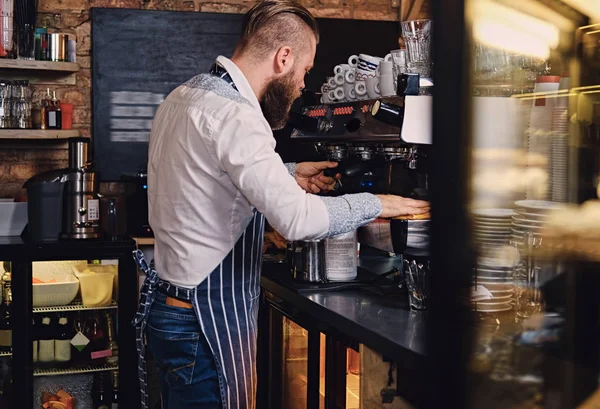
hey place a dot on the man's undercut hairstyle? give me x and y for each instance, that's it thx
(271, 24)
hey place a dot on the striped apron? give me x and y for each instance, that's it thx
(226, 304)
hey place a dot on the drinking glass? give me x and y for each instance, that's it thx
(417, 274)
(417, 36)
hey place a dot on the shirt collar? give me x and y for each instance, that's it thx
(239, 80)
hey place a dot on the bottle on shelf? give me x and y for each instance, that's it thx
(62, 340)
(80, 351)
(100, 399)
(98, 342)
(111, 339)
(35, 331)
(44, 109)
(46, 339)
(5, 313)
(5, 382)
(53, 113)
(115, 395)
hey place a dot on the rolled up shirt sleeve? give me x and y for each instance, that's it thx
(245, 149)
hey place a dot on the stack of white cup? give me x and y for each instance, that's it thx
(362, 77)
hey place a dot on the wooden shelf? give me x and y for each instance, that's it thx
(144, 241)
(39, 72)
(20, 134)
(39, 65)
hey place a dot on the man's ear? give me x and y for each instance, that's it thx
(284, 60)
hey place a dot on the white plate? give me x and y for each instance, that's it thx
(492, 308)
(499, 287)
(493, 213)
(489, 235)
(493, 227)
(543, 205)
(528, 221)
(529, 227)
(495, 302)
(508, 270)
(530, 216)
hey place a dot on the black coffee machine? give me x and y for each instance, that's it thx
(138, 224)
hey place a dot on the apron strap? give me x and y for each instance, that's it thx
(147, 293)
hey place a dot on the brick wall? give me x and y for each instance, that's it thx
(72, 16)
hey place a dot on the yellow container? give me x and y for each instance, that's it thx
(96, 283)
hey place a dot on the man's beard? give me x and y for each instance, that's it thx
(277, 101)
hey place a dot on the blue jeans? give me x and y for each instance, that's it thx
(188, 374)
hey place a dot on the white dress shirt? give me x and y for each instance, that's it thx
(212, 161)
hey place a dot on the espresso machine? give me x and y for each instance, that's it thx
(382, 147)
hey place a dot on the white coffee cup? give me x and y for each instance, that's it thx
(351, 95)
(353, 61)
(368, 62)
(350, 76)
(339, 93)
(331, 82)
(325, 98)
(331, 95)
(372, 85)
(325, 88)
(386, 85)
(339, 79)
(388, 58)
(386, 68)
(349, 90)
(360, 89)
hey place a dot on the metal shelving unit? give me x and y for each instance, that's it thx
(71, 371)
(76, 306)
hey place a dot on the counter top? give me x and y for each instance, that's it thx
(13, 248)
(383, 323)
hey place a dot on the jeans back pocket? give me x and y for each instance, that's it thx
(174, 352)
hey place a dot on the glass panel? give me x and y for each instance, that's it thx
(322, 356)
(534, 179)
(295, 365)
(352, 379)
(74, 331)
(5, 336)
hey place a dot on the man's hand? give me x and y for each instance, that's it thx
(395, 206)
(310, 177)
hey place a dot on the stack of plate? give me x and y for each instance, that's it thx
(558, 170)
(530, 219)
(491, 227)
(498, 280)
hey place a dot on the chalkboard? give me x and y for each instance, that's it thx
(140, 56)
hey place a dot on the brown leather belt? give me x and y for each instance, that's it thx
(174, 302)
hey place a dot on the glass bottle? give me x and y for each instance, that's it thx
(100, 399)
(62, 340)
(115, 396)
(46, 340)
(5, 313)
(111, 340)
(53, 113)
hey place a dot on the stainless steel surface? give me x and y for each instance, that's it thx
(363, 152)
(82, 212)
(378, 234)
(309, 261)
(78, 153)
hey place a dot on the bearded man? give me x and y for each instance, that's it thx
(213, 177)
